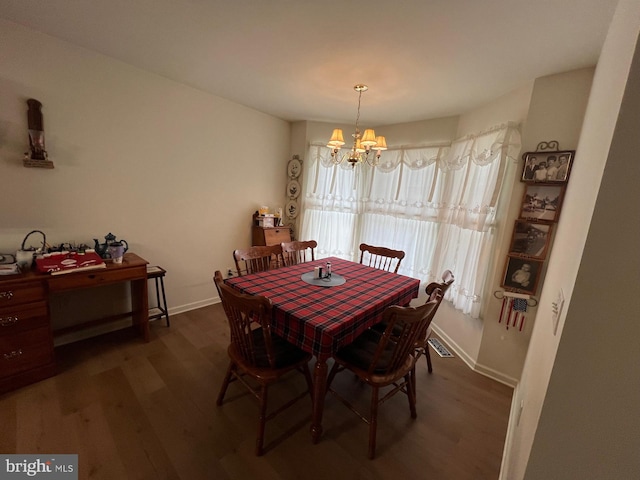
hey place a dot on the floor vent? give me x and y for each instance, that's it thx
(439, 348)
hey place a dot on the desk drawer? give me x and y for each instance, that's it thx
(276, 236)
(17, 293)
(95, 278)
(26, 350)
(24, 317)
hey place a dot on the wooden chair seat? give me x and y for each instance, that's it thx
(284, 354)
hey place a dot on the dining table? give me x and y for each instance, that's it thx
(320, 316)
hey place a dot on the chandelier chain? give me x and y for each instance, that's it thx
(358, 114)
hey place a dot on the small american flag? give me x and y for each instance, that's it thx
(520, 308)
(520, 304)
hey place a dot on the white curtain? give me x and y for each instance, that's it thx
(437, 204)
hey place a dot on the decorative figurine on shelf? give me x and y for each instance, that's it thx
(37, 155)
(102, 249)
(36, 130)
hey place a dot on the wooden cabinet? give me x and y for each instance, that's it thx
(270, 235)
(26, 340)
(26, 336)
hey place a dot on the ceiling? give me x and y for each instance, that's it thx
(299, 59)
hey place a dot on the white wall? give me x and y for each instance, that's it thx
(580, 388)
(173, 170)
(463, 333)
(567, 93)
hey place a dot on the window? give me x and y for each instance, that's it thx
(437, 204)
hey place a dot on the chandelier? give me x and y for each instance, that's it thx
(363, 143)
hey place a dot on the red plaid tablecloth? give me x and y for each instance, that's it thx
(320, 319)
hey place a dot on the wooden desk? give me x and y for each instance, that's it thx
(319, 320)
(26, 333)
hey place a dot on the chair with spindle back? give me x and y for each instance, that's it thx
(258, 259)
(255, 351)
(386, 360)
(447, 280)
(299, 252)
(382, 258)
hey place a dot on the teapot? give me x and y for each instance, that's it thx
(102, 249)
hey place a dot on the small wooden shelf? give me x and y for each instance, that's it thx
(29, 163)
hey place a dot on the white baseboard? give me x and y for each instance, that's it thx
(471, 362)
(193, 306)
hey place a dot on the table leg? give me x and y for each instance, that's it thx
(319, 392)
(140, 307)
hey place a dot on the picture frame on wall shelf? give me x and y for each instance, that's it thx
(531, 239)
(547, 167)
(521, 274)
(542, 202)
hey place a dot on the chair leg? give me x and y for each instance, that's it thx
(373, 422)
(225, 383)
(428, 355)
(164, 302)
(262, 420)
(413, 383)
(410, 379)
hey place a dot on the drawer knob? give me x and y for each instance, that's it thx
(13, 354)
(6, 295)
(8, 321)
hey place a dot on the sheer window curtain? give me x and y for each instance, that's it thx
(437, 204)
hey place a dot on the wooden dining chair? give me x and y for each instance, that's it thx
(386, 360)
(258, 353)
(299, 252)
(447, 281)
(381, 257)
(258, 259)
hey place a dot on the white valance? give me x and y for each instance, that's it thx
(502, 141)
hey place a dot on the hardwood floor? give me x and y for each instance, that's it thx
(134, 410)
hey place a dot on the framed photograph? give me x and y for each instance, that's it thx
(547, 167)
(530, 239)
(542, 202)
(522, 274)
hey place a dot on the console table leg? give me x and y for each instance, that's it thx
(140, 307)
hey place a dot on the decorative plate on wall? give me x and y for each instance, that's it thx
(291, 209)
(293, 189)
(294, 168)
